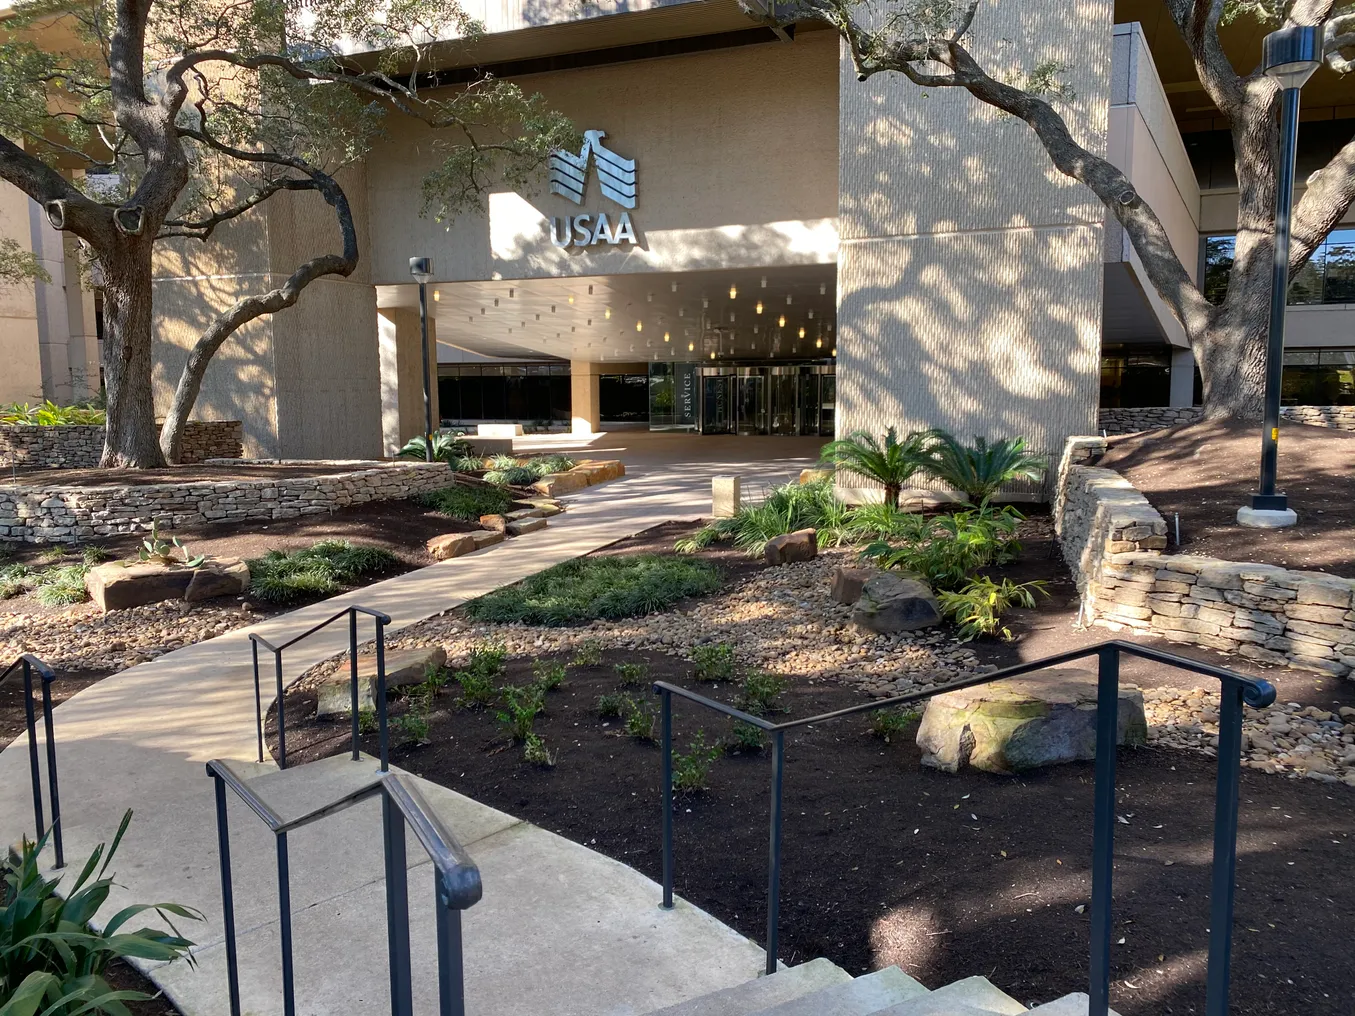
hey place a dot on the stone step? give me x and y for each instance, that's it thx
(973, 996)
(878, 992)
(1069, 1005)
(757, 995)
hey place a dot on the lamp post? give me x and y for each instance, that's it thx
(1289, 57)
(422, 270)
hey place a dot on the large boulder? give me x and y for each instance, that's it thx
(222, 576)
(449, 545)
(801, 545)
(892, 602)
(554, 484)
(403, 667)
(848, 582)
(118, 585)
(1010, 726)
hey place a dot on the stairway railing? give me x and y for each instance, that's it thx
(1236, 690)
(380, 693)
(456, 884)
(30, 663)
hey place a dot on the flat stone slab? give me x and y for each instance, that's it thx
(891, 602)
(517, 527)
(560, 483)
(403, 667)
(1024, 723)
(486, 538)
(450, 545)
(118, 585)
(801, 545)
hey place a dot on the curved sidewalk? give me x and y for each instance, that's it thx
(140, 739)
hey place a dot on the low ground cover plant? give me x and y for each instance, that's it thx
(785, 509)
(593, 588)
(760, 692)
(947, 549)
(285, 576)
(713, 661)
(466, 501)
(521, 704)
(632, 675)
(691, 769)
(513, 472)
(587, 653)
(886, 724)
(478, 679)
(977, 608)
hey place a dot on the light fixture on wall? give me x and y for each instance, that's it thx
(712, 354)
(823, 289)
(691, 347)
(818, 343)
(835, 350)
(437, 296)
(781, 321)
(759, 306)
(733, 292)
(667, 336)
(811, 313)
(607, 313)
(802, 331)
(764, 282)
(788, 299)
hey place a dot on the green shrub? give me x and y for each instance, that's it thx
(714, 661)
(466, 501)
(52, 961)
(760, 692)
(879, 521)
(521, 706)
(590, 588)
(785, 509)
(368, 721)
(513, 476)
(534, 750)
(890, 463)
(49, 414)
(548, 675)
(478, 679)
(691, 771)
(284, 576)
(632, 675)
(886, 724)
(544, 465)
(641, 719)
(446, 448)
(953, 546)
(94, 554)
(979, 470)
(978, 608)
(60, 587)
(14, 580)
(588, 653)
(745, 737)
(412, 727)
(502, 462)
(467, 464)
(611, 705)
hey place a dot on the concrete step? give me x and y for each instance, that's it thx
(974, 996)
(763, 992)
(872, 993)
(1069, 1005)
(302, 789)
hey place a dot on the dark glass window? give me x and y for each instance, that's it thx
(533, 393)
(1132, 378)
(1327, 277)
(624, 398)
(1319, 377)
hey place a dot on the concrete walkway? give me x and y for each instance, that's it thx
(140, 738)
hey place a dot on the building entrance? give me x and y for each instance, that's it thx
(786, 399)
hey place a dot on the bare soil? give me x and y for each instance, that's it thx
(946, 875)
(1206, 471)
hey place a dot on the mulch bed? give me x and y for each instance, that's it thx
(1206, 471)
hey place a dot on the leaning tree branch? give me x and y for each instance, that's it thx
(85, 217)
(202, 229)
(1198, 23)
(1324, 203)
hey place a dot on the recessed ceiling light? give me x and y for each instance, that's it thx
(733, 292)
(781, 321)
(787, 299)
(823, 289)
(674, 287)
(759, 306)
(691, 346)
(666, 336)
(802, 331)
(764, 282)
(639, 326)
(607, 313)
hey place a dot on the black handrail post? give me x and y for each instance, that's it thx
(51, 769)
(353, 672)
(774, 850)
(282, 711)
(1225, 850)
(451, 975)
(1103, 825)
(666, 737)
(381, 694)
(34, 770)
(285, 923)
(397, 909)
(258, 697)
(223, 844)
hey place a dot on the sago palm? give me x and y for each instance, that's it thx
(890, 464)
(979, 470)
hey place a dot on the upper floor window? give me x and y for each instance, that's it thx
(1328, 277)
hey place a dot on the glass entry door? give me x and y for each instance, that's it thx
(752, 403)
(784, 400)
(717, 404)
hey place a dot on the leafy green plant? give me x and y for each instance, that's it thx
(714, 661)
(55, 554)
(549, 676)
(52, 961)
(60, 587)
(412, 727)
(890, 463)
(513, 476)
(14, 580)
(886, 724)
(477, 679)
(467, 464)
(785, 509)
(641, 719)
(49, 414)
(980, 469)
(878, 521)
(521, 706)
(544, 465)
(94, 554)
(368, 721)
(502, 462)
(691, 770)
(745, 737)
(446, 448)
(611, 705)
(590, 588)
(284, 576)
(951, 547)
(466, 501)
(534, 750)
(760, 692)
(587, 653)
(632, 675)
(155, 549)
(978, 607)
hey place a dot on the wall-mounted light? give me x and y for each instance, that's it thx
(639, 326)
(788, 298)
(733, 292)
(437, 296)
(712, 354)
(818, 343)
(759, 306)
(666, 336)
(811, 313)
(691, 346)
(802, 331)
(781, 321)
(835, 350)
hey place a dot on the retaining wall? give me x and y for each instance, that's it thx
(80, 446)
(55, 513)
(1113, 541)
(1131, 421)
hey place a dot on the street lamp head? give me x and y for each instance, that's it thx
(421, 269)
(1291, 54)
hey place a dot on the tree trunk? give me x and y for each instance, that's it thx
(131, 438)
(892, 492)
(1232, 360)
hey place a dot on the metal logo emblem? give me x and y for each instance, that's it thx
(569, 172)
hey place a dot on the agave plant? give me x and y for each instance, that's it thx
(52, 962)
(890, 463)
(446, 448)
(978, 471)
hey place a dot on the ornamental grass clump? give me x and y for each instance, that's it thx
(785, 509)
(466, 501)
(285, 576)
(978, 607)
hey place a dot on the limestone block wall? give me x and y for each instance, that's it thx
(79, 446)
(71, 514)
(1340, 417)
(1113, 541)
(1132, 420)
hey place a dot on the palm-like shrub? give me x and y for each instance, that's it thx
(446, 448)
(890, 463)
(52, 961)
(979, 470)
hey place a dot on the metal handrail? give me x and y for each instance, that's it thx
(457, 885)
(29, 662)
(352, 614)
(1236, 690)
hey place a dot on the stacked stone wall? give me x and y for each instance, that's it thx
(80, 446)
(1134, 420)
(1113, 541)
(55, 513)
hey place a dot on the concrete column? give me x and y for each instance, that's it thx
(1182, 378)
(83, 349)
(402, 375)
(969, 270)
(21, 379)
(584, 395)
